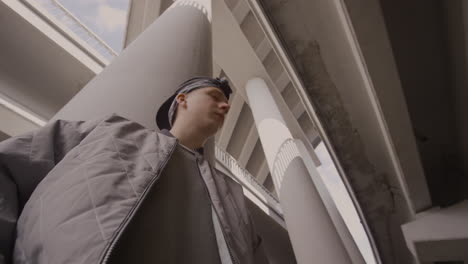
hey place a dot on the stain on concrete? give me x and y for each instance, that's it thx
(379, 200)
(372, 189)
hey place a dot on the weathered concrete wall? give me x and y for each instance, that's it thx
(456, 21)
(373, 189)
(418, 35)
(316, 43)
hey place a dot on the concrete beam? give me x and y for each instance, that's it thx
(369, 41)
(298, 110)
(293, 101)
(3, 136)
(217, 70)
(230, 121)
(263, 49)
(241, 132)
(309, 129)
(341, 59)
(263, 172)
(282, 81)
(240, 11)
(439, 235)
(252, 30)
(39, 21)
(273, 65)
(13, 123)
(241, 64)
(248, 147)
(27, 72)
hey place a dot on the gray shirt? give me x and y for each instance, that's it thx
(222, 245)
(178, 223)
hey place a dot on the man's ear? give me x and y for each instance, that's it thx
(181, 98)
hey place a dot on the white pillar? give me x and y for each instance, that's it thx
(174, 48)
(313, 236)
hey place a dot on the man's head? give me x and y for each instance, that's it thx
(200, 104)
(204, 108)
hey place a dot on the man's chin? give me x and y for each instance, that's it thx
(212, 129)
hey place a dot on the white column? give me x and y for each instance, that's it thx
(313, 236)
(174, 48)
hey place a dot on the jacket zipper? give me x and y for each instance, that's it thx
(116, 238)
(234, 260)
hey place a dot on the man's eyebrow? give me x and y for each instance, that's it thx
(217, 91)
(214, 91)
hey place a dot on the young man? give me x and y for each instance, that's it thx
(111, 191)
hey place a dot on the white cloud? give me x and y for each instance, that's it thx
(109, 18)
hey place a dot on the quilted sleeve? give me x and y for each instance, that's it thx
(24, 161)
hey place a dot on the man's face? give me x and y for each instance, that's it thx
(207, 106)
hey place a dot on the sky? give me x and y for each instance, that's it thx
(340, 196)
(106, 18)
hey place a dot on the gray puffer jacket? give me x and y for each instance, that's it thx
(69, 189)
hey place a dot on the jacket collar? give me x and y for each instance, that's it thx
(169, 134)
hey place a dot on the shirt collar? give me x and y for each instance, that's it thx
(168, 133)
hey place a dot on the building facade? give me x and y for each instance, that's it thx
(378, 85)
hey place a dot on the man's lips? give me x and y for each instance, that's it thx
(220, 115)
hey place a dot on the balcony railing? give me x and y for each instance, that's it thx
(247, 179)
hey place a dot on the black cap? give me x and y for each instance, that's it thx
(162, 116)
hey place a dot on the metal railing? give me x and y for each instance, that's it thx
(62, 15)
(286, 153)
(245, 177)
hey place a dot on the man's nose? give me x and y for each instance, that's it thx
(225, 106)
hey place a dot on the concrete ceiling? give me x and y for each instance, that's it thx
(432, 68)
(405, 137)
(3, 136)
(240, 137)
(39, 71)
(328, 59)
(43, 76)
